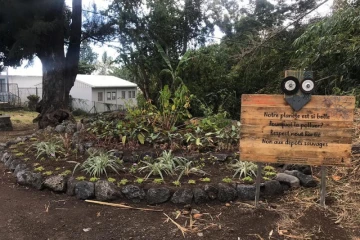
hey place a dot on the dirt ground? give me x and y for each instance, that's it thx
(31, 214)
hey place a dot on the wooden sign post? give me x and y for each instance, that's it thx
(319, 134)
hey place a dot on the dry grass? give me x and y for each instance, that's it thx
(20, 118)
(343, 198)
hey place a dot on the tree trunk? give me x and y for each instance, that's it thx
(59, 72)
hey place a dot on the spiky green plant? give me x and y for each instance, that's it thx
(98, 163)
(243, 168)
(50, 149)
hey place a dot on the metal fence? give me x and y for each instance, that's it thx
(94, 107)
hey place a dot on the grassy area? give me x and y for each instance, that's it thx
(20, 118)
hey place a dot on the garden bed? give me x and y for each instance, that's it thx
(54, 159)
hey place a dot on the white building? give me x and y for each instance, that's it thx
(91, 93)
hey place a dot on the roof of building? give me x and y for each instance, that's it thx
(104, 81)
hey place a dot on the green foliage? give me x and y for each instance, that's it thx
(33, 139)
(111, 180)
(66, 173)
(243, 168)
(191, 181)
(39, 169)
(58, 168)
(206, 179)
(47, 173)
(139, 180)
(177, 183)
(26, 159)
(99, 163)
(270, 174)
(269, 169)
(165, 164)
(187, 168)
(158, 180)
(94, 179)
(33, 100)
(81, 178)
(227, 180)
(51, 149)
(248, 179)
(20, 143)
(123, 182)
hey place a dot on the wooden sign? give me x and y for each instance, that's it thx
(319, 134)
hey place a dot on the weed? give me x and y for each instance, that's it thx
(158, 180)
(80, 178)
(270, 174)
(20, 143)
(94, 179)
(13, 147)
(177, 183)
(47, 173)
(248, 179)
(122, 182)
(33, 139)
(15, 151)
(58, 168)
(65, 173)
(227, 180)
(139, 180)
(206, 179)
(112, 180)
(36, 164)
(191, 181)
(269, 169)
(20, 154)
(26, 159)
(39, 169)
(266, 179)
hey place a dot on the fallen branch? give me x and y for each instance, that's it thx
(182, 229)
(123, 206)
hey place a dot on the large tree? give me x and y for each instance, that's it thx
(43, 28)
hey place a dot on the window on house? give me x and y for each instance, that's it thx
(100, 96)
(123, 93)
(113, 97)
(108, 96)
(133, 94)
(129, 95)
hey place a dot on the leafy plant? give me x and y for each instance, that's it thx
(269, 169)
(26, 159)
(191, 181)
(39, 169)
(248, 179)
(65, 173)
(227, 180)
(187, 168)
(98, 163)
(20, 143)
(33, 139)
(112, 180)
(94, 179)
(165, 164)
(81, 178)
(158, 180)
(177, 183)
(48, 173)
(58, 168)
(123, 181)
(49, 149)
(270, 174)
(36, 164)
(244, 168)
(266, 178)
(20, 154)
(139, 180)
(206, 179)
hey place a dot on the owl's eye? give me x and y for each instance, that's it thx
(308, 85)
(290, 85)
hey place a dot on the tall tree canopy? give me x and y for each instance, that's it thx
(42, 28)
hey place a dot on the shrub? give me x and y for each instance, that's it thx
(33, 100)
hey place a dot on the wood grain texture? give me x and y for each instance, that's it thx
(320, 133)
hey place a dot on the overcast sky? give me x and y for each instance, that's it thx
(36, 68)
